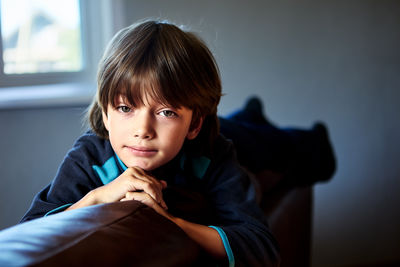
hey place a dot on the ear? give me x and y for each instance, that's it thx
(195, 129)
(105, 120)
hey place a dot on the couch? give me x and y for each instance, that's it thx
(129, 233)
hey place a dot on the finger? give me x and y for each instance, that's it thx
(142, 197)
(148, 201)
(141, 175)
(163, 184)
(147, 177)
(133, 196)
(148, 183)
(163, 204)
(138, 170)
(155, 195)
(135, 181)
(150, 188)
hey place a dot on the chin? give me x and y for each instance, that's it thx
(143, 166)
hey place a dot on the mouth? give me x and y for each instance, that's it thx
(142, 151)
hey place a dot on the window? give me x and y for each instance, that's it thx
(41, 36)
(49, 49)
(42, 42)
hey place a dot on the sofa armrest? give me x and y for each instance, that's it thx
(289, 213)
(69, 239)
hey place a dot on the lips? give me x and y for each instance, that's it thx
(141, 151)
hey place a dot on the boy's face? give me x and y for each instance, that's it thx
(150, 135)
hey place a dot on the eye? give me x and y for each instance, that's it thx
(124, 109)
(168, 113)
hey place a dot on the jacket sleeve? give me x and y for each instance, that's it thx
(74, 179)
(238, 216)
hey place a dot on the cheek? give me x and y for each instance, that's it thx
(115, 131)
(174, 138)
(180, 132)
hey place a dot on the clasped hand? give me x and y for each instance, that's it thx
(135, 184)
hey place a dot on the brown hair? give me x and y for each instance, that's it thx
(159, 60)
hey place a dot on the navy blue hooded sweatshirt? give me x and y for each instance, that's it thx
(213, 190)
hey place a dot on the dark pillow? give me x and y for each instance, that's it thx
(115, 234)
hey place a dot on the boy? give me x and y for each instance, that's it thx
(155, 135)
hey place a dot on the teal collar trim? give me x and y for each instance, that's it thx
(198, 165)
(108, 171)
(121, 163)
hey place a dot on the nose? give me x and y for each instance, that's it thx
(143, 126)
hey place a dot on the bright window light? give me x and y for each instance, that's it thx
(41, 36)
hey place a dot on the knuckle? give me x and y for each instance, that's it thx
(137, 170)
(129, 171)
(148, 187)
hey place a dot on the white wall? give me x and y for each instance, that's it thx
(335, 61)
